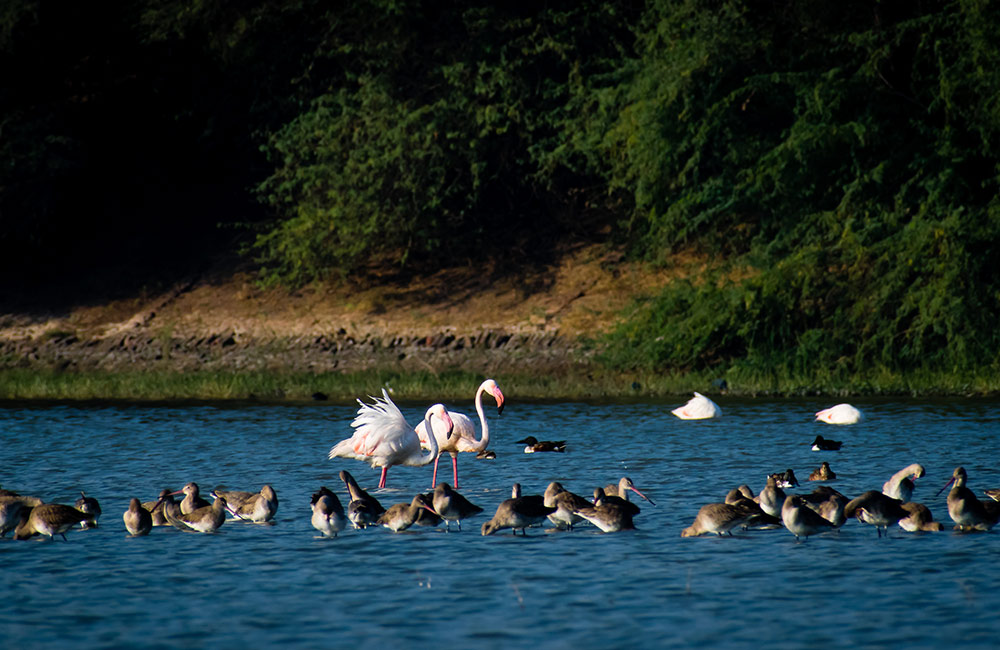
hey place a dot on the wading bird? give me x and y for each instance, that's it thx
(840, 414)
(463, 436)
(698, 407)
(383, 438)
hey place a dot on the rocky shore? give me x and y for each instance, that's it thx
(487, 351)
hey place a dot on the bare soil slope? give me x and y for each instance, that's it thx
(468, 318)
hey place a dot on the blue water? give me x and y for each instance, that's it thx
(264, 586)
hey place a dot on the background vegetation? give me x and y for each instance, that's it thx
(836, 161)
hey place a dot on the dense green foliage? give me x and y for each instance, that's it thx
(840, 158)
(834, 161)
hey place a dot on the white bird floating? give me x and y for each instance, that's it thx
(698, 407)
(840, 414)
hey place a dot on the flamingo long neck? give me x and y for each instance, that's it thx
(432, 443)
(484, 439)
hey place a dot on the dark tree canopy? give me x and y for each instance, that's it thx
(836, 160)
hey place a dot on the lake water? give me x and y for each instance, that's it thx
(267, 586)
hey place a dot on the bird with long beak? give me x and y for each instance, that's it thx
(207, 519)
(618, 494)
(968, 512)
(462, 437)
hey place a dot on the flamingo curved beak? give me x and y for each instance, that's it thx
(498, 396)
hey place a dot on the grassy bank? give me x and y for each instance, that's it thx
(25, 385)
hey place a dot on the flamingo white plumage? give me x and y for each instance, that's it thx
(463, 436)
(383, 438)
(840, 414)
(698, 407)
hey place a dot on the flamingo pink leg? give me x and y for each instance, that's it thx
(454, 468)
(435, 477)
(381, 482)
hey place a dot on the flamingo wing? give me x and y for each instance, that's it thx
(381, 434)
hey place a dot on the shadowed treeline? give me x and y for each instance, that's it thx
(834, 164)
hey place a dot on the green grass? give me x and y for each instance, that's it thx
(588, 383)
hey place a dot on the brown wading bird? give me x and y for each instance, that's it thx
(164, 502)
(203, 520)
(518, 512)
(11, 505)
(876, 509)
(258, 507)
(48, 519)
(363, 509)
(138, 520)
(566, 504)
(192, 498)
(801, 520)
(920, 519)
(772, 497)
(619, 494)
(757, 517)
(452, 506)
(91, 507)
(968, 512)
(403, 515)
(608, 516)
(718, 518)
(328, 514)
(828, 503)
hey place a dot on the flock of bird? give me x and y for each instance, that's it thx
(610, 509)
(384, 439)
(826, 509)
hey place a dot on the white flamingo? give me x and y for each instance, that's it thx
(698, 407)
(383, 438)
(463, 437)
(840, 414)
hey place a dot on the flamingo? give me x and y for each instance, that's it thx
(840, 414)
(463, 437)
(698, 407)
(383, 438)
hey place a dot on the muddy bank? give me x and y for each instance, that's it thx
(486, 351)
